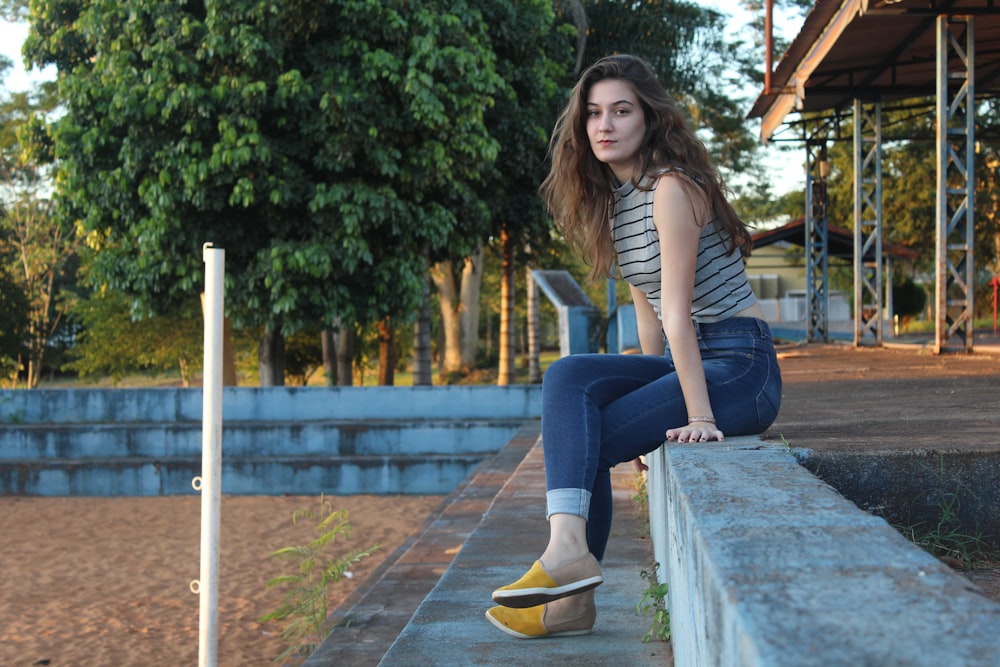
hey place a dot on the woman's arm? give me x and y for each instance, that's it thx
(648, 324)
(676, 216)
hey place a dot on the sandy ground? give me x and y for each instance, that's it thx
(94, 582)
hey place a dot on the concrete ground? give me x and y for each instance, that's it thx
(496, 522)
(841, 398)
(837, 398)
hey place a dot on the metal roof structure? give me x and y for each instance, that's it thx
(849, 59)
(870, 50)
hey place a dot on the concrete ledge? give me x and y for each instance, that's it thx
(768, 565)
(368, 622)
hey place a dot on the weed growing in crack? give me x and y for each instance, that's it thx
(945, 539)
(303, 610)
(654, 603)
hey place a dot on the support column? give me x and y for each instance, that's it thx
(817, 243)
(868, 273)
(955, 183)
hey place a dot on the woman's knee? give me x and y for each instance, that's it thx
(569, 370)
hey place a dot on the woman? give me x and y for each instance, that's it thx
(708, 368)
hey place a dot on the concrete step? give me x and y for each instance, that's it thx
(265, 475)
(335, 440)
(263, 404)
(162, 440)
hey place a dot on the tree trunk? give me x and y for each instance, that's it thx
(386, 353)
(271, 359)
(228, 351)
(443, 275)
(328, 341)
(577, 14)
(459, 312)
(534, 351)
(422, 375)
(472, 285)
(345, 356)
(228, 355)
(507, 372)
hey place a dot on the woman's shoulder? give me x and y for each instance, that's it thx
(674, 181)
(678, 186)
(676, 171)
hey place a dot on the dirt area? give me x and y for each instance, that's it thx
(840, 398)
(105, 581)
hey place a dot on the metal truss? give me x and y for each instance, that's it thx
(817, 243)
(955, 181)
(868, 286)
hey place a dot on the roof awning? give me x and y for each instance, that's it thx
(840, 241)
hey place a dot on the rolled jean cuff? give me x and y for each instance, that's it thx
(567, 501)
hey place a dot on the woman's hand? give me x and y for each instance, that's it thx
(696, 431)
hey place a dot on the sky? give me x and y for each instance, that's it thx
(12, 36)
(786, 166)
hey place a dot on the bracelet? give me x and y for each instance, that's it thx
(707, 420)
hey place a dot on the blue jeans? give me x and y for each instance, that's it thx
(599, 410)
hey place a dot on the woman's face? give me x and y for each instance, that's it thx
(616, 125)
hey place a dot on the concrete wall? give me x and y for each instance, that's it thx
(768, 566)
(335, 440)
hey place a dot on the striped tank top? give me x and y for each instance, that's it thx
(721, 288)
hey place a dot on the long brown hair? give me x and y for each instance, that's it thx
(579, 188)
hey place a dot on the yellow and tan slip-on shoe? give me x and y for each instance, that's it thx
(539, 586)
(545, 620)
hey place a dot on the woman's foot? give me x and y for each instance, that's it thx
(539, 585)
(574, 615)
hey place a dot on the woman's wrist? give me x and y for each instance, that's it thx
(707, 420)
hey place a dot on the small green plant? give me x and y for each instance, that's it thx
(945, 540)
(641, 497)
(654, 603)
(303, 608)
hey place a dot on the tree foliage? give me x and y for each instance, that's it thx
(535, 55)
(38, 255)
(114, 344)
(320, 143)
(695, 59)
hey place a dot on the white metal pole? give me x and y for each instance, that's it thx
(211, 457)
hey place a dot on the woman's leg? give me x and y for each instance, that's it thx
(575, 389)
(744, 386)
(575, 394)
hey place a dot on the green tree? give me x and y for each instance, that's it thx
(113, 344)
(14, 311)
(38, 253)
(321, 143)
(534, 54)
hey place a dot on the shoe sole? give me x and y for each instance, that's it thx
(523, 598)
(520, 635)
